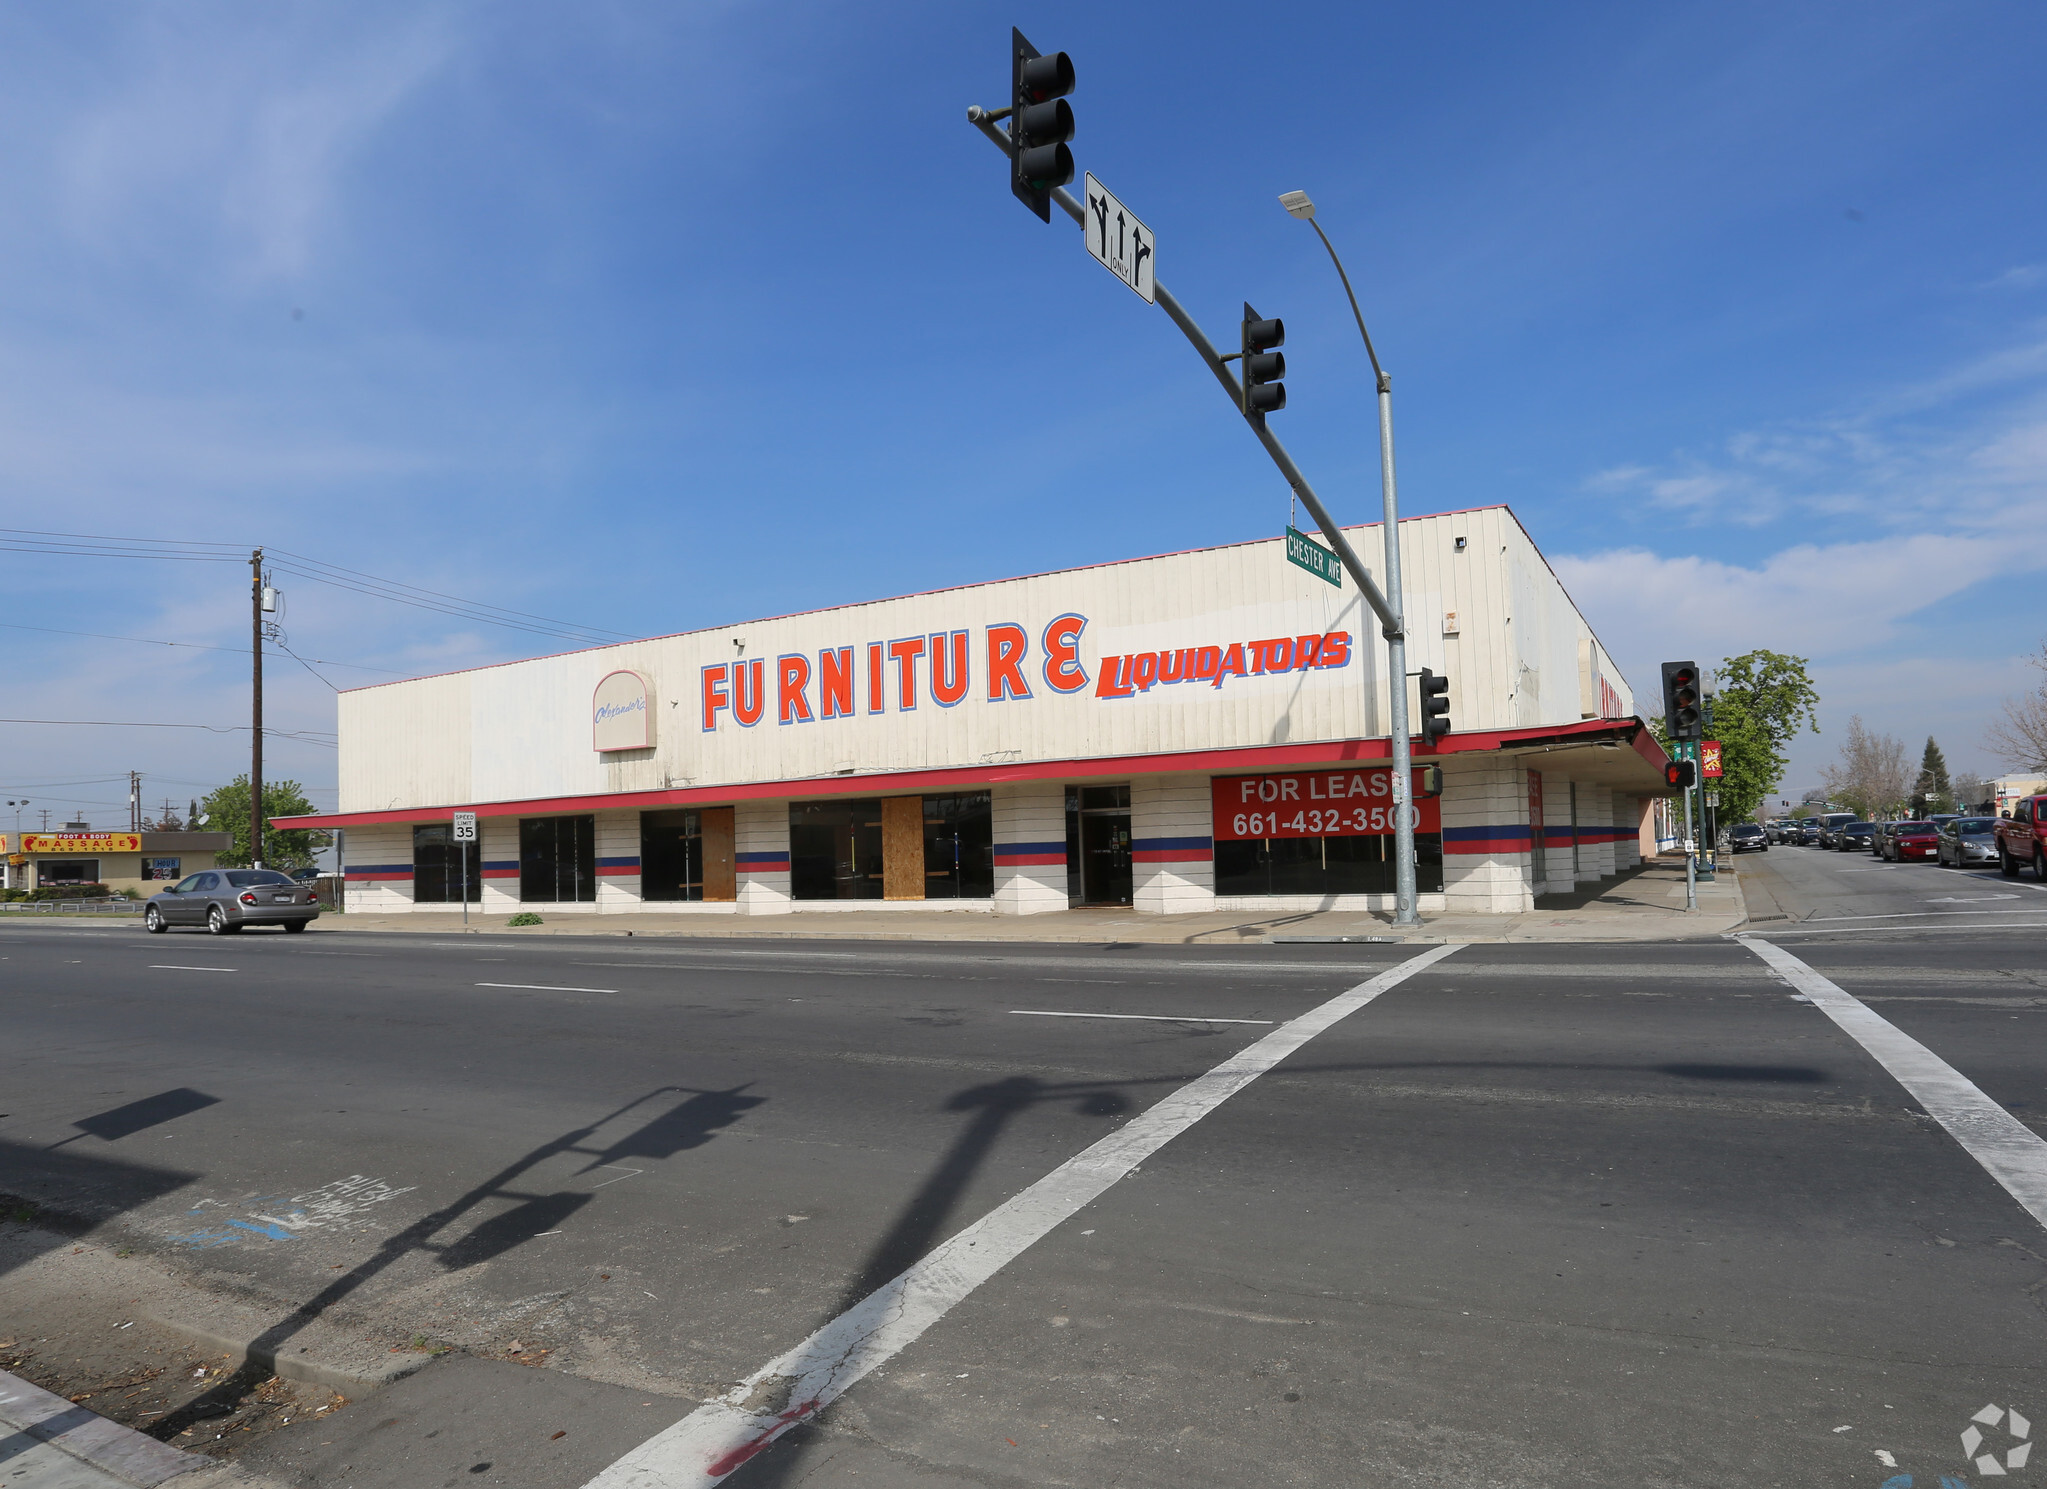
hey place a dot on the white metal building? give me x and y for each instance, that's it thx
(1195, 731)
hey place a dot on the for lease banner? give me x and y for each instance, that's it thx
(1316, 803)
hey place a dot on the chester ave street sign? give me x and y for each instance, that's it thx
(1120, 243)
(1308, 554)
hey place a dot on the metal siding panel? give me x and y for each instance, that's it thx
(522, 730)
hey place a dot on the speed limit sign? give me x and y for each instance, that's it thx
(465, 827)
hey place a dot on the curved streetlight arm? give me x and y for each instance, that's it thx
(1378, 372)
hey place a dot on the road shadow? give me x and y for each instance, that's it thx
(140, 1116)
(686, 1125)
(60, 1196)
(928, 1217)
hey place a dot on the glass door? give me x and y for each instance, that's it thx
(1099, 828)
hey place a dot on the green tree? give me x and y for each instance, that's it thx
(1932, 792)
(1766, 700)
(227, 810)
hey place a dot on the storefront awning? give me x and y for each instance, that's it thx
(1611, 752)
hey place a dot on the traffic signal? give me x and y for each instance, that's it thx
(1263, 367)
(1681, 716)
(1435, 695)
(1681, 775)
(1040, 123)
(1432, 780)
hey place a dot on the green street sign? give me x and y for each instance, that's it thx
(1304, 552)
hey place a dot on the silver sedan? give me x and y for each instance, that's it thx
(225, 900)
(1967, 841)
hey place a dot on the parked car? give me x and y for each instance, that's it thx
(1911, 840)
(225, 900)
(2022, 838)
(1851, 837)
(1966, 841)
(1831, 824)
(1746, 835)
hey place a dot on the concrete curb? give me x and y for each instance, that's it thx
(122, 1453)
(291, 1364)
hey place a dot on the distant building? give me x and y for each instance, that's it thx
(2009, 789)
(137, 862)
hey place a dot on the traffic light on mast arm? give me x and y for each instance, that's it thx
(1435, 696)
(1262, 366)
(1681, 716)
(1040, 123)
(1681, 775)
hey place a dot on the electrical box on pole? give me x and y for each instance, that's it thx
(1040, 123)
(1681, 716)
(1435, 690)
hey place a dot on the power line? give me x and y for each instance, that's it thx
(76, 545)
(307, 736)
(239, 651)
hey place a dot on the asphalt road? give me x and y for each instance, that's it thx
(1535, 1215)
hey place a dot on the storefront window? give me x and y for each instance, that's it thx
(1321, 866)
(67, 871)
(835, 850)
(557, 859)
(672, 855)
(959, 847)
(438, 866)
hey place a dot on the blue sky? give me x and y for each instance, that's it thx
(649, 316)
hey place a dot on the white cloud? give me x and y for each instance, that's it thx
(243, 132)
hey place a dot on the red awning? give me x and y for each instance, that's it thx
(1630, 733)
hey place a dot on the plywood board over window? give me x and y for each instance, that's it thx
(721, 879)
(902, 848)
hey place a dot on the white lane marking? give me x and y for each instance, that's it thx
(1163, 1018)
(1920, 914)
(174, 967)
(546, 987)
(626, 1173)
(2011, 1152)
(715, 1439)
(1892, 930)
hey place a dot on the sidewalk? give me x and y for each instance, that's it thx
(1646, 904)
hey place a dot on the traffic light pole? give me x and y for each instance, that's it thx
(1691, 859)
(1391, 625)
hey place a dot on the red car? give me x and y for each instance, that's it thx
(1912, 840)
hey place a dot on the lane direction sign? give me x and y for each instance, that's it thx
(1120, 243)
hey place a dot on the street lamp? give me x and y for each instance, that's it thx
(1405, 911)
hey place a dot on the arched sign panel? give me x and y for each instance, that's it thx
(622, 713)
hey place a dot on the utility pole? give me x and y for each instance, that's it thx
(134, 801)
(256, 709)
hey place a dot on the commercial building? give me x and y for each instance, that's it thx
(131, 862)
(1196, 731)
